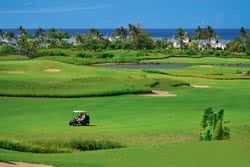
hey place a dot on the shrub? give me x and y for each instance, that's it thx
(236, 46)
(248, 52)
(29, 147)
(190, 52)
(7, 49)
(153, 71)
(104, 55)
(83, 55)
(238, 72)
(88, 145)
(50, 53)
(213, 126)
(207, 53)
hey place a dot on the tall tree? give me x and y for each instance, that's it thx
(243, 33)
(95, 33)
(209, 33)
(134, 31)
(27, 48)
(198, 33)
(181, 35)
(39, 33)
(1, 33)
(22, 31)
(122, 33)
(53, 30)
(10, 35)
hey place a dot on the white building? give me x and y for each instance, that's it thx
(10, 41)
(72, 40)
(219, 45)
(44, 45)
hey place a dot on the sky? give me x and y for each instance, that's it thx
(115, 13)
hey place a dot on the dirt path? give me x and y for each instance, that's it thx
(158, 93)
(12, 71)
(21, 164)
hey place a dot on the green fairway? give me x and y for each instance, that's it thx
(229, 154)
(54, 79)
(156, 131)
(207, 72)
(203, 60)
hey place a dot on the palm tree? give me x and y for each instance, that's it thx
(133, 30)
(1, 33)
(198, 33)
(39, 32)
(10, 35)
(22, 31)
(181, 35)
(122, 33)
(53, 30)
(209, 33)
(95, 33)
(243, 33)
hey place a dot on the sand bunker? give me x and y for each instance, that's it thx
(21, 164)
(206, 66)
(199, 86)
(12, 71)
(158, 93)
(52, 70)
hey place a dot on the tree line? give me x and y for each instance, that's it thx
(130, 37)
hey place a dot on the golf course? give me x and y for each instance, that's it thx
(138, 117)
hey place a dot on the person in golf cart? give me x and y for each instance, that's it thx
(80, 118)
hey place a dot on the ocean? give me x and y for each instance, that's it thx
(226, 34)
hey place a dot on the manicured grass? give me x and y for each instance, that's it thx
(208, 72)
(204, 60)
(215, 154)
(13, 57)
(89, 61)
(69, 81)
(156, 131)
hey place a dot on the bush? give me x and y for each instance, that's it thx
(207, 53)
(83, 55)
(236, 46)
(105, 55)
(7, 49)
(248, 52)
(190, 52)
(50, 53)
(213, 126)
(28, 147)
(88, 145)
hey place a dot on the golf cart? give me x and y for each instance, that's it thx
(80, 118)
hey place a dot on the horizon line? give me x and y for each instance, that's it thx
(121, 26)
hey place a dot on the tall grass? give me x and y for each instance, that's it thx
(59, 146)
(31, 147)
(88, 145)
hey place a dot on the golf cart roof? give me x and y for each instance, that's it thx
(79, 111)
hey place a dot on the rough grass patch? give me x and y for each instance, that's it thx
(30, 147)
(58, 146)
(88, 145)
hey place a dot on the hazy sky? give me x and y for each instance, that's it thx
(114, 13)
